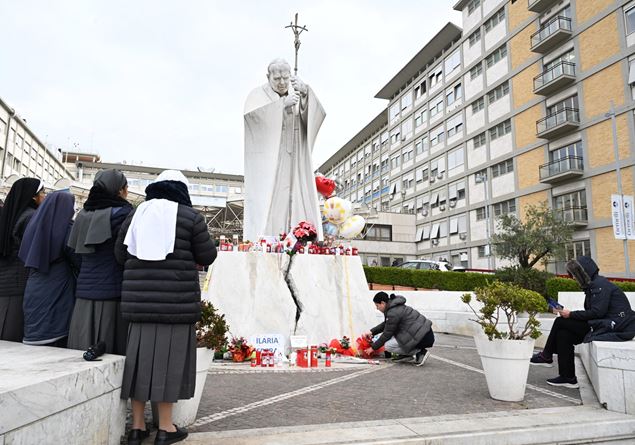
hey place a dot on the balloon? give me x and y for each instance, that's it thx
(330, 229)
(352, 227)
(337, 210)
(325, 186)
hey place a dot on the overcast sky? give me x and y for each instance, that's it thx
(163, 83)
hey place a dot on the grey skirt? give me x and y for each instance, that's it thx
(160, 362)
(11, 319)
(98, 320)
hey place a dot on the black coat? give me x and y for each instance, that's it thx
(166, 291)
(100, 275)
(404, 323)
(606, 308)
(13, 274)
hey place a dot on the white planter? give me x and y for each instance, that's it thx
(184, 412)
(506, 366)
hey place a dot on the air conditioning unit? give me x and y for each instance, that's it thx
(440, 175)
(435, 241)
(424, 212)
(432, 179)
(452, 203)
(442, 207)
(463, 236)
(403, 137)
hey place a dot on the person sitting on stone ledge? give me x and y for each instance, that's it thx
(160, 244)
(607, 316)
(404, 332)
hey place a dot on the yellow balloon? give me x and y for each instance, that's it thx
(337, 210)
(352, 227)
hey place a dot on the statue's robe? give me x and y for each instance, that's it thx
(279, 176)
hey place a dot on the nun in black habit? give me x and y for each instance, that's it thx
(25, 196)
(49, 295)
(97, 313)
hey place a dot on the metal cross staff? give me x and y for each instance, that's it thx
(297, 30)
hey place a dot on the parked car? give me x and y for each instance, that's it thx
(444, 266)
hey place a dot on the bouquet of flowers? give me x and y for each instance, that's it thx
(303, 233)
(239, 348)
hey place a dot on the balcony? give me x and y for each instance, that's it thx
(576, 215)
(562, 169)
(539, 5)
(555, 78)
(558, 123)
(554, 32)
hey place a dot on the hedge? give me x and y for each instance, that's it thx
(426, 279)
(555, 285)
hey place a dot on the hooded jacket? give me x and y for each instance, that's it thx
(404, 323)
(606, 308)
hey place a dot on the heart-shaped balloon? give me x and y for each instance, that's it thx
(325, 186)
(352, 227)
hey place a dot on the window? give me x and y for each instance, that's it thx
(498, 92)
(455, 125)
(436, 105)
(475, 37)
(379, 232)
(500, 130)
(425, 174)
(495, 20)
(570, 151)
(482, 251)
(420, 117)
(436, 136)
(455, 158)
(577, 249)
(384, 138)
(394, 162)
(420, 89)
(472, 6)
(479, 140)
(569, 56)
(630, 20)
(458, 224)
(406, 100)
(456, 191)
(502, 168)
(407, 182)
(505, 207)
(570, 102)
(496, 56)
(436, 76)
(453, 62)
(476, 71)
(480, 214)
(384, 165)
(406, 129)
(570, 201)
(453, 94)
(478, 105)
(421, 146)
(394, 112)
(407, 154)
(395, 136)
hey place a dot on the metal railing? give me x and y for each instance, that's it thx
(551, 27)
(573, 214)
(571, 115)
(559, 69)
(563, 165)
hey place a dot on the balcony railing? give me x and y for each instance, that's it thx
(558, 123)
(560, 169)
(575, 215)
(551, 33)
(539, 5)
(556, 77)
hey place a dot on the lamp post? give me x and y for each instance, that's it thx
(482, 178)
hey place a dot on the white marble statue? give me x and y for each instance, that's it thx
(282, 119)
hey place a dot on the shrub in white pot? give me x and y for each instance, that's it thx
(506, 346)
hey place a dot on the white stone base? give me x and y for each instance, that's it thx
(249, 288)
(52, 395)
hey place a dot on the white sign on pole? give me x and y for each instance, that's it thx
(629, 217)
(618, 217)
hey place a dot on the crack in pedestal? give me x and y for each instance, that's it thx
(292, 291)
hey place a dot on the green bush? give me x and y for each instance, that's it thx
(532, 279)
(426, 279)
(555, 285)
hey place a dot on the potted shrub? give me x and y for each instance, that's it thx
(507, 345)
(210, 336)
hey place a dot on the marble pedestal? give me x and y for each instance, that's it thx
(249, 288)
(52, 395)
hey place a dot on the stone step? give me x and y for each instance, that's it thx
(562, 425)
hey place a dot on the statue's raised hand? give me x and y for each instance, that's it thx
(291, 100)
(298, 85)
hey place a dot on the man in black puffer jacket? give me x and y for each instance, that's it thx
(607, 316)
(404, 331)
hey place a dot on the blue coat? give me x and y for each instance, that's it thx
(100, 275)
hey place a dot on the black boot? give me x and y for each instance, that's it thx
(165, 438)
(135, 437)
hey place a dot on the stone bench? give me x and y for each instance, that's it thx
(52, 395)
(610, 365)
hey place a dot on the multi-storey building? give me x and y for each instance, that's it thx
(514, 109)
(23, 154)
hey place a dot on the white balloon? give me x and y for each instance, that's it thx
(337, 210)
(352, 227)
